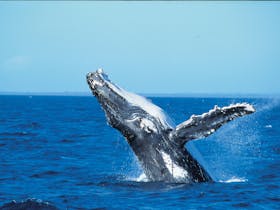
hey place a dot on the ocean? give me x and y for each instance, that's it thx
(59, 149)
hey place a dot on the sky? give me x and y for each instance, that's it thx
(144, 47)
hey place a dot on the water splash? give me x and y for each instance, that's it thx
(233, 150)
(125, 162)
(234, 180)
(141, 178)
(268, 104)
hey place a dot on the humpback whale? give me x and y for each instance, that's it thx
(158, 144)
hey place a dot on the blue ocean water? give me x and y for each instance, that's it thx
(59, 149)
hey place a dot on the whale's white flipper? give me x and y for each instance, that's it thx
(199, 126)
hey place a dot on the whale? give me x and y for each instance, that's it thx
(157, 142)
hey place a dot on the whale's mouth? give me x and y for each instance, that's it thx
(107, 93)
(97, 82)
(102, 87)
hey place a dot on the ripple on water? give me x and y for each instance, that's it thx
(31, 125)
(45, 174)
(67, 141)
(241, 205)
(18, 134)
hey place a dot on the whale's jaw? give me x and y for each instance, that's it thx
(157, 143)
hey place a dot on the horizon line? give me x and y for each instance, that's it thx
(175, 95)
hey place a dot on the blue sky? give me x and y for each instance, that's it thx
(145, 47)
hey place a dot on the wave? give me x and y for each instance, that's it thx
(19, 134)
(233, 180)
(30, 204)
(44, 174)
(141, 178)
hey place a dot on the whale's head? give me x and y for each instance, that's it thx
(130, 113)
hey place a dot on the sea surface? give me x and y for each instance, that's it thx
(60, 149)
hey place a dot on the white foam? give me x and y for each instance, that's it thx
(268, 126)
(234, 179)
(141, 178)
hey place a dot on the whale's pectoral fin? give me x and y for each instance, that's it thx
(199, 126)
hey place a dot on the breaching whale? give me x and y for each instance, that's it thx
(157, 143)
